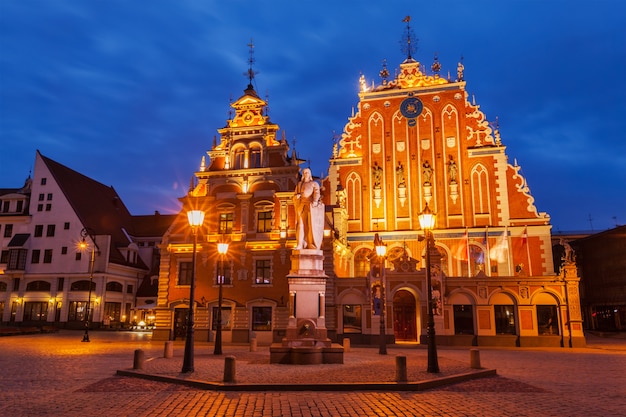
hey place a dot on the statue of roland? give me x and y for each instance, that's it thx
(309, 213)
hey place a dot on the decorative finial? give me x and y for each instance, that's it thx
(250, 73)
(459, 70)
(384, 73)
(267, 100)
(408, 40)
(436, 67)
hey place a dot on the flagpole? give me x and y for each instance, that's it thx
(530, 266)
(467, 250)
(509, 255)
(488, 272)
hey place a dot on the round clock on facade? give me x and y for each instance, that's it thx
(411, 107)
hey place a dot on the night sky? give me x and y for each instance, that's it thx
(131, 93)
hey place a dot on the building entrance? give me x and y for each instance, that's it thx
(180, 323)
(404, 317)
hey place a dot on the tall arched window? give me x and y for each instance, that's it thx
(255, 158)
(239, 159)
(362, 262)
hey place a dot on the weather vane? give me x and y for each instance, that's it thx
(250, 73)
(408, 47)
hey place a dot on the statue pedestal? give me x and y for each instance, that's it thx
(306, 341)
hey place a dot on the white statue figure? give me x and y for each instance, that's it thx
(309, 212)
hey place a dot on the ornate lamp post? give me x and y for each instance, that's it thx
(381, 250)
(427, 221)
(196, 218)
(222, 249)
(84, 245)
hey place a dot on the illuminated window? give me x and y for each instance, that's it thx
(263, 271)
(261, 319)
(264, 222)
(226, 223)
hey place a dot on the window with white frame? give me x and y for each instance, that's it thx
(263, 271)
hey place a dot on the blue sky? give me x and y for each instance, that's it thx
(131, 93)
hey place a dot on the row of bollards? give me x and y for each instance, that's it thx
(230, 362)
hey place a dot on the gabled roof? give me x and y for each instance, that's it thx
(152, 225)
(98, 207)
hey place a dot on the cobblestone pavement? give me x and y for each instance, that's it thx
(57, 375)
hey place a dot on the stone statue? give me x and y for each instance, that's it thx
(568, 254)
(452, 170)
(427, 172)
(400, 174)
(377, 171)
(309, 213)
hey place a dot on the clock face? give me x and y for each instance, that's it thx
(411, 107)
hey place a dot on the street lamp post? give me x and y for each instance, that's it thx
(427, 221)
(196, 218)
(381, 250)
(222, 248)
(84, 245)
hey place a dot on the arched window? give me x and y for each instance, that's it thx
(82, 286)
(362, 262)
(38, 286)
(239, 159)
(255, 158)
(114, 286)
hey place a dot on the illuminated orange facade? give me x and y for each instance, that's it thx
(245, 189)
(415, 140)
(419, 140)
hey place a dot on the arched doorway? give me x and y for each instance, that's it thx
(404, 317)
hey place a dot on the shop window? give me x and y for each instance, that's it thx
(547, 321)
(352, 319)
(463, 319)
(77, 311)
(113, 311)
(262, 319)
(35, 311)
(226, 318)
(505, 319)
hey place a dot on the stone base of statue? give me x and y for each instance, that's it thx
(306, 341)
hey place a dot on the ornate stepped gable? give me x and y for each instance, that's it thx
(417, 139)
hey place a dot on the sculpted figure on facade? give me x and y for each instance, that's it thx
(400, 174)
(377, 172)
(427, 172)
(452, 170)
(309, 212)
